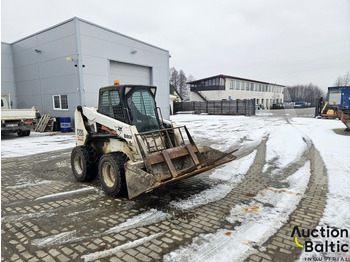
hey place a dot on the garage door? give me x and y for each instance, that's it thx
(130, 74)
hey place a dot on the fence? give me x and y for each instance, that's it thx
(220, 107)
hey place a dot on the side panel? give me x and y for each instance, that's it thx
(100, 46)
(7, 73)
(41, 70)
(17, 114)
(345, 98)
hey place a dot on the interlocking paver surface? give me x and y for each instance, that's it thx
(48, 216)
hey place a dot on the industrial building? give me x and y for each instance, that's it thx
(224, 87)
(64, 66)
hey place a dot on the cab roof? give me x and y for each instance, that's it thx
(121, 87)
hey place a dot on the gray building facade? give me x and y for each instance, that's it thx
(65, 65)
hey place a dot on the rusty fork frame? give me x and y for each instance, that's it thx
(170, 149)
(167, 142)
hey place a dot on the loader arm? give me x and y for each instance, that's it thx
(118, 128)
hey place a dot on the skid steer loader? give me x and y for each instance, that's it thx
(131, 147)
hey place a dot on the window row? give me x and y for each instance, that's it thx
(250, 86)
(210, 82)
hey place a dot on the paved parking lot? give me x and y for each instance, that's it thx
(48, 216)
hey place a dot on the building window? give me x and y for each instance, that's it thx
(251, 87)
(247, 86)
(60, 102)
(222, 81)
(232, 83)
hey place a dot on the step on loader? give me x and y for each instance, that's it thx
(131, 147)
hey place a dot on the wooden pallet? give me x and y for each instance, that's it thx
(44, 122)
(50, 124)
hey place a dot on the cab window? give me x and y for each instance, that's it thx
(142, 111)
(110, 105)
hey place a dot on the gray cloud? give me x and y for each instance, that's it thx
(288, 42)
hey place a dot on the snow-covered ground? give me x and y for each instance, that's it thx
(287, 140)
(13, 146)
(259, 220)
(335, 152)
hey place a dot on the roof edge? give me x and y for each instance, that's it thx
(339, 87)
(88, 22)
(46, 29)
(239, 78)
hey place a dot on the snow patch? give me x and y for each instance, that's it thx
(231, 173)
(64, 163)
(284, 146)
(78, 191)
(8, 219)
(150, 217)
(34, 144)
(234, 171)
(81, 212)
(110, 252)
(29, 184)
(54, 239)
(207, 196)
(235, 131)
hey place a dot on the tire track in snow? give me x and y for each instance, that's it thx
(316, 191)
(226, 176)
(258, 222)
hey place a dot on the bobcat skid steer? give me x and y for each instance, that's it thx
(131, 148)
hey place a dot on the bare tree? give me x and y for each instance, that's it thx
(191, 78)
(308, 93)
(174, 79)
(343, 80)
(183, 87)
(178, 83)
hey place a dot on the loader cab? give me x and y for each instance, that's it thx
(131, 104)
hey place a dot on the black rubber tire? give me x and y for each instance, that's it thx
(112, 174)
(84, 161)
(20, 133)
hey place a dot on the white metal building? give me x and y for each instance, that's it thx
(64, 66)
(224, 87)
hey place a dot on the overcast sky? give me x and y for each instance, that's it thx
(284, 41)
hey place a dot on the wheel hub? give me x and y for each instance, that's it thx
(108, 174)
(78, 164)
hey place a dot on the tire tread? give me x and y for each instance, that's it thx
(119, 159)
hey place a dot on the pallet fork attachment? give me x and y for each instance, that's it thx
(168, 160)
